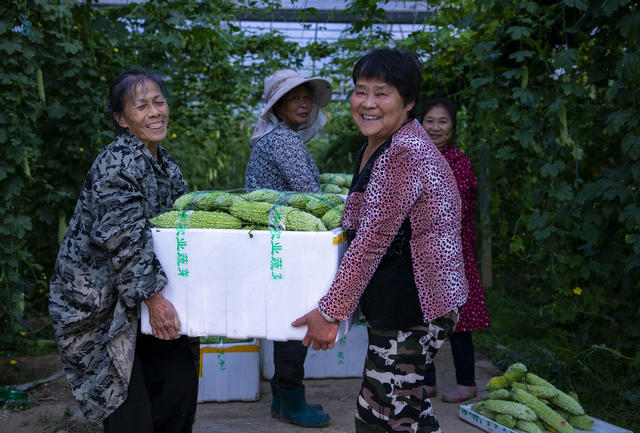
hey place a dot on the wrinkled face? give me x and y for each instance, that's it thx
(378, 109)
(439, 126)
(295, 107)
(146, 113)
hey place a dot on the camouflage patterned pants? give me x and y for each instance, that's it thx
(393, 396)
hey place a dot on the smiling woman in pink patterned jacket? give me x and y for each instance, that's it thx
(404, 263)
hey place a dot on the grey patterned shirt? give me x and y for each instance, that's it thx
(280, 161)
(106, 266)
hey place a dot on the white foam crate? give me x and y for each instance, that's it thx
(346, 359)
(229, 372)
(230, 289)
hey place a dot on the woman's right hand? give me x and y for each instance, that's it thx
(163, 317)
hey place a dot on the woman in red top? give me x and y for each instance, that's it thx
(404, 265)
(439, 120)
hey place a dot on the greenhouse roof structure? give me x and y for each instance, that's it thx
(307, 21)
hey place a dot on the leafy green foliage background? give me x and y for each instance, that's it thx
(548, 113)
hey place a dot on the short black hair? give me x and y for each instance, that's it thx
(448, 105)
(124, 85)
(401, 69)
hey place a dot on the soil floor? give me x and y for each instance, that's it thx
(53, 410)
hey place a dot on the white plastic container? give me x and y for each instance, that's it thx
(229, 372)
(346, 359)
(489, 425)
(242, 284)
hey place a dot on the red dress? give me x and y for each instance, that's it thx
(474, 314)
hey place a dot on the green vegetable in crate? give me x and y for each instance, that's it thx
(339, 179)
(544, 412)
(481, 409)
(581, 422)
(205, 200)
(538, 391)
(186, 201)
(298, 201)
(215, 200)
(528, 426)
(302, 221)
(499, 394)
(330, 187)
(324, 177)
(333, 217)
(196, 219)
(505, 420)
(515, 372)
(497, 382)
(290, 218)
(319, 204)
(533, 379)
(566, 402)
(561, 399)
(563, 413)
(263, 195)
(517, 410)
(253, 212)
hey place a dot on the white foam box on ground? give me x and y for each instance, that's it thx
(229, 372)
(491, 426)
(221, 281)
(346, 359)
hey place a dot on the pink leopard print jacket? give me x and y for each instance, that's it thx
(411, 179)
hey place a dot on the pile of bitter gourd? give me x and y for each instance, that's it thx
(256, 210)
(520, 399)
(337, 183)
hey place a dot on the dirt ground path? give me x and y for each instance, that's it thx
(54, 408)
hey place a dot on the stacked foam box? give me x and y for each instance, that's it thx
(242, 284)
(346, 359)
(229, 371)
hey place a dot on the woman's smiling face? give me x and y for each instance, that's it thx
(378, 109)
(438, 124)
(146, 113)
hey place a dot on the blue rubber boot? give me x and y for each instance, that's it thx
(295, 410)
(275, 402)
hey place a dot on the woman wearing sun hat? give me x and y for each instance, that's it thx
(293, 114)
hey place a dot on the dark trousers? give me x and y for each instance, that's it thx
(463, 360)
(163, 389)
(288, 360)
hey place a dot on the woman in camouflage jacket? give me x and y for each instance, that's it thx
(106, 267)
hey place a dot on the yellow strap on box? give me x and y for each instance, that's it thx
(244, 348)
(339, 239)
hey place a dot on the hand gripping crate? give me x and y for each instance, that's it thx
(346, 359)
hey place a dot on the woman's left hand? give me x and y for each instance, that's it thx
(163, 317)
(320, 332)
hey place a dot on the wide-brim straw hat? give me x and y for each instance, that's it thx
(275, 87)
